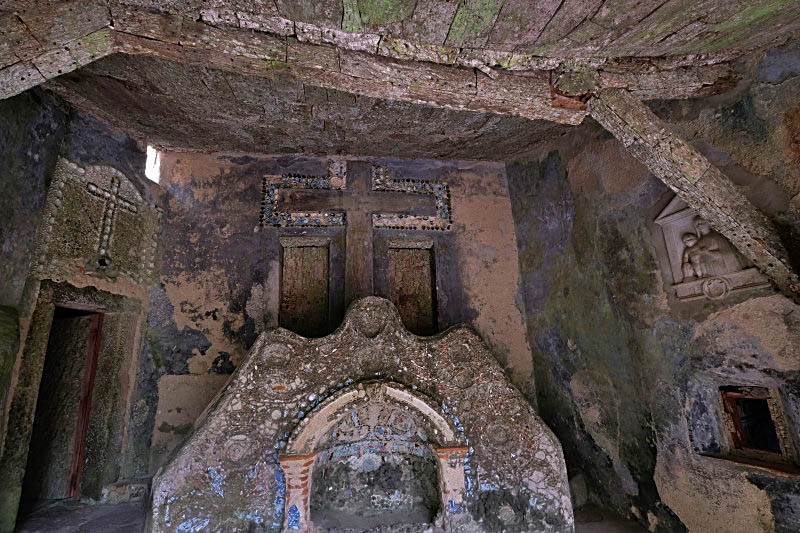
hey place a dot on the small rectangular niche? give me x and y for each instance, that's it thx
(304, 285)
(412, 283)
(756, 426)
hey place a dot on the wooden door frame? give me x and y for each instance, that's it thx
(85, 406)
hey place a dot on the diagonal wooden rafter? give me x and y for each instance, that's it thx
(61, 39)
(697, 182)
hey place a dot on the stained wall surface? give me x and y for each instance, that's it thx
(220, 279)
(628, 376)
(32, 127)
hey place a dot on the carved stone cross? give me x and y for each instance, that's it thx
(359, 202)
(113, 199)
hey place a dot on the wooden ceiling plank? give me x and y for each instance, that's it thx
(442, 80)
(568, 17)
(473, 23)
(16, 42)
(59, 23)
(369, 75)
(247, 20)
(233, 42)
(326, 13)
(162, 26)
(615, 17)
(698, 183)
(430, 22)
(426, 76)
(19, 77)
(659, 25)
(740, 32)
(520, 23)
(382, 16)
(75, 54)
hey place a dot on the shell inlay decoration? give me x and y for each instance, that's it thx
(370, 388)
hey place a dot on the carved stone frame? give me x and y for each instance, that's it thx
(30, 364)
(668, 218)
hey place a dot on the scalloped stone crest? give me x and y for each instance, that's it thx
(250, 459)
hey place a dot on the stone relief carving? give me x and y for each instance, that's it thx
(702, 262)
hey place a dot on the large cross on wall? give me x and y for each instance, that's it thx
(360, 196)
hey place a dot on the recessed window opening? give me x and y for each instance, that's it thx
(758, 429)
(750, 420)
(152, 167)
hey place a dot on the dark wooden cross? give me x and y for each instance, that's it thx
(359, 202)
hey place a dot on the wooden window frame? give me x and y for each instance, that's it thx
(738, 451)
(421, 242)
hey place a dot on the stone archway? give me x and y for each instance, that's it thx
(313, 436)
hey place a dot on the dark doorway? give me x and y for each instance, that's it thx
(58, 438)
(750, 420)
(758, 428)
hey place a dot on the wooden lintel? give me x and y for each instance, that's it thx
(697, 182)
(645, 81)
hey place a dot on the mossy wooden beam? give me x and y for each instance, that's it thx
(698, 183)
(39, 44)
(361, 63)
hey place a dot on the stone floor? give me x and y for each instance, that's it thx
(66, 516)
(590, 519)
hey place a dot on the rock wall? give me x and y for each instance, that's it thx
(32, 126)
(220, 279)
(63, 247)
(628, 377)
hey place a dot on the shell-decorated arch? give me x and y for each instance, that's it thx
(235, 469)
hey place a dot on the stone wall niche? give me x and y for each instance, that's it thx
(427, 428)
(378, 451)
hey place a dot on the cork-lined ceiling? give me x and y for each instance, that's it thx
(175, 105)
(477, 79)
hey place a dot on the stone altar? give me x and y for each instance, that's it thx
(369, 394)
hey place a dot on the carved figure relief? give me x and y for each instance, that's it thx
(702, 262)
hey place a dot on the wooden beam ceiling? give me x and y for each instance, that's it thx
(63, 38)
(41, 44)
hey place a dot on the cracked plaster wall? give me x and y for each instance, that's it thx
(627, 377)
(220, 279)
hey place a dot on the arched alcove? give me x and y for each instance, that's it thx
(374, 454)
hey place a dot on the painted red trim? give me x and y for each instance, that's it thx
(79, 450)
